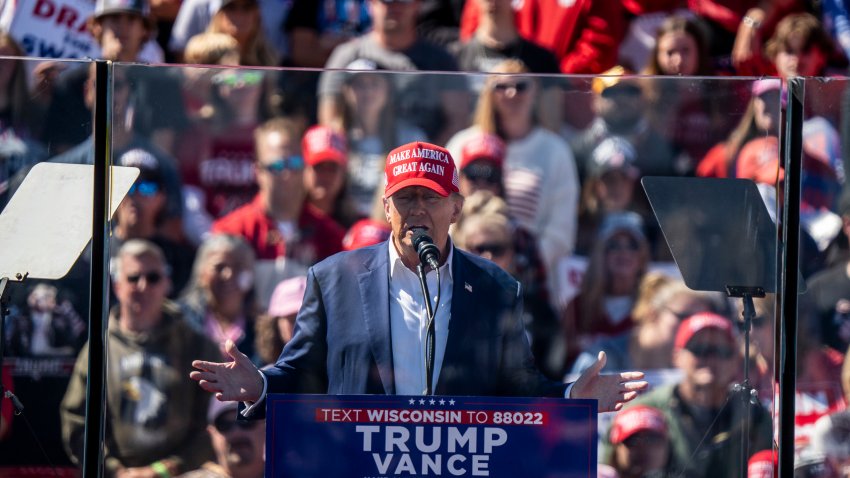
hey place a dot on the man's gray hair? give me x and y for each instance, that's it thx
(137, 248)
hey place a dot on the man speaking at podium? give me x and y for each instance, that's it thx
(363, 327)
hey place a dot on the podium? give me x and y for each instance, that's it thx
(423, 436)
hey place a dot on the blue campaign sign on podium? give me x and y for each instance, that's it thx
(376, 436)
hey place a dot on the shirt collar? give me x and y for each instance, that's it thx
(395, 259)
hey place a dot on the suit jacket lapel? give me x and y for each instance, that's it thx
(374, 292)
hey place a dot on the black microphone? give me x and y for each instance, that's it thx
(428, 252)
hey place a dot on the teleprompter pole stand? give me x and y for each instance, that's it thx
(745, 393)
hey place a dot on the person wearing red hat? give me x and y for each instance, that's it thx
(641, 443)
(704, 417)
(361, 325)
(326, 159)
(482, 158)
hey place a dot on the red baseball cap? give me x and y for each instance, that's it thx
(421, 164)
(365, 232)
(699, 322)
(321, 143)
(484, 146)
(637, 419)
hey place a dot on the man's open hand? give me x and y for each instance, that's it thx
(612, 391)
(238, 380)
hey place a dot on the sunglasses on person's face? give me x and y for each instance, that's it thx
(144, 188)
(226, 422)
(151, 278)
(709, 351)
(519, 86)
(495, 249)
(292, 163)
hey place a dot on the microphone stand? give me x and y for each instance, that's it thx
(428, 255)
(430, 337)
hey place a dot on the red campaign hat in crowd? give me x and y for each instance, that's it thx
(321, 143)
(485, 146)
(635, 419)
(365, 232)
(421, 164)
(699, 322)
(763, 464)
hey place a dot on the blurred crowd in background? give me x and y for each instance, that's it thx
(553, 112)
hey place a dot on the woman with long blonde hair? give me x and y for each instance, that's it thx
(540, 178)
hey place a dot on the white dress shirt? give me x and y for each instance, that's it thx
(409, 322)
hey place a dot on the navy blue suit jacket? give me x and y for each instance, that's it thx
(341, 343)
